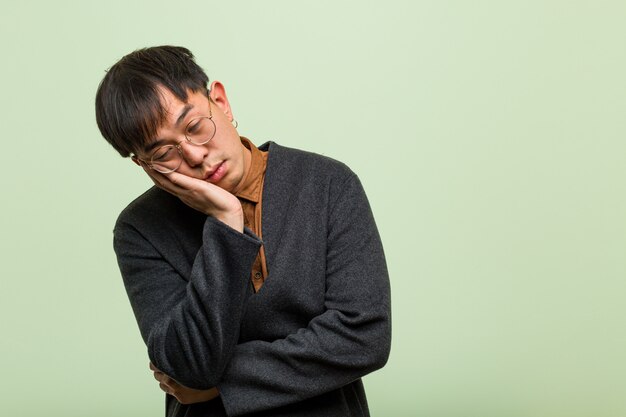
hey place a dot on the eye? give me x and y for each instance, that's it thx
(194, 127)
(164, 153)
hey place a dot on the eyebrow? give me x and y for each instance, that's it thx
(181, 117)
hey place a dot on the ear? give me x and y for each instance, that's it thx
(218, 96)
(135, 159)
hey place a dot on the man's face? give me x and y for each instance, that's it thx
(222, 161)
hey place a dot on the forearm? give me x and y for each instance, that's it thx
(191, 327)
(350, 337)
(331, 352)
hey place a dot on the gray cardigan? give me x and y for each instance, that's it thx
(300, 345)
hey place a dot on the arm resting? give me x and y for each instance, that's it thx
(351, 338)
(190, 324)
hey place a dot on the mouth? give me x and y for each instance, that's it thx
(216, 174)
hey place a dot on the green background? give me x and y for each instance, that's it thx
(489, 136)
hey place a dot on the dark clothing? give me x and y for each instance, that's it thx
(297, 347)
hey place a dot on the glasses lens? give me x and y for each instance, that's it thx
(200, 130)
(166, 159)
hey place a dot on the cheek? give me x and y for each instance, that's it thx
(188, 172)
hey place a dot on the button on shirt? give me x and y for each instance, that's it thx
(250, 195)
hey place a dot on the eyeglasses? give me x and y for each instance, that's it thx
(168, 158)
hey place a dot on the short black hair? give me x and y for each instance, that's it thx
(129, 109)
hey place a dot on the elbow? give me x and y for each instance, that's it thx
(382, 344)
(376, 347)
(381, 348)
(194, 367)
(186, 372)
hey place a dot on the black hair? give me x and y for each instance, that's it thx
(129, 109)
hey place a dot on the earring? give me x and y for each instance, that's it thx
(235, 123)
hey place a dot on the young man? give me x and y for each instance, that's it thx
(256, 275)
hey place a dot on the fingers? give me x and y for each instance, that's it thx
(164, 388)
(203, 193)
(158, 374)
(164, 182)
(174, 182)
(183, 394)
(200, 195)
(167, 384)
(183, 181)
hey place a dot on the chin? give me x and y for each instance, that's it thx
(226, 184)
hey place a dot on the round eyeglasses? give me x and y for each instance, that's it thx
(168, 158)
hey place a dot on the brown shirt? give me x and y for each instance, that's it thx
(250, 195)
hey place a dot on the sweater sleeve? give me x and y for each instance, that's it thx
(189, 326)
(351, 338)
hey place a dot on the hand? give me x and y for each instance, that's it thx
(183, 394)
(202, 196)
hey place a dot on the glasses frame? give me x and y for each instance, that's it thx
(179, 148)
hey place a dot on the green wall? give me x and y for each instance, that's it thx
(489, 135)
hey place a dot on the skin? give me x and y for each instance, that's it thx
(190, 183)
(183, 394)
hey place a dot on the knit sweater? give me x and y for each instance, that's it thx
(300, 345)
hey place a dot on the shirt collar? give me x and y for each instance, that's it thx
(252, 184)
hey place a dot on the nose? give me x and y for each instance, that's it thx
(193, 154)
